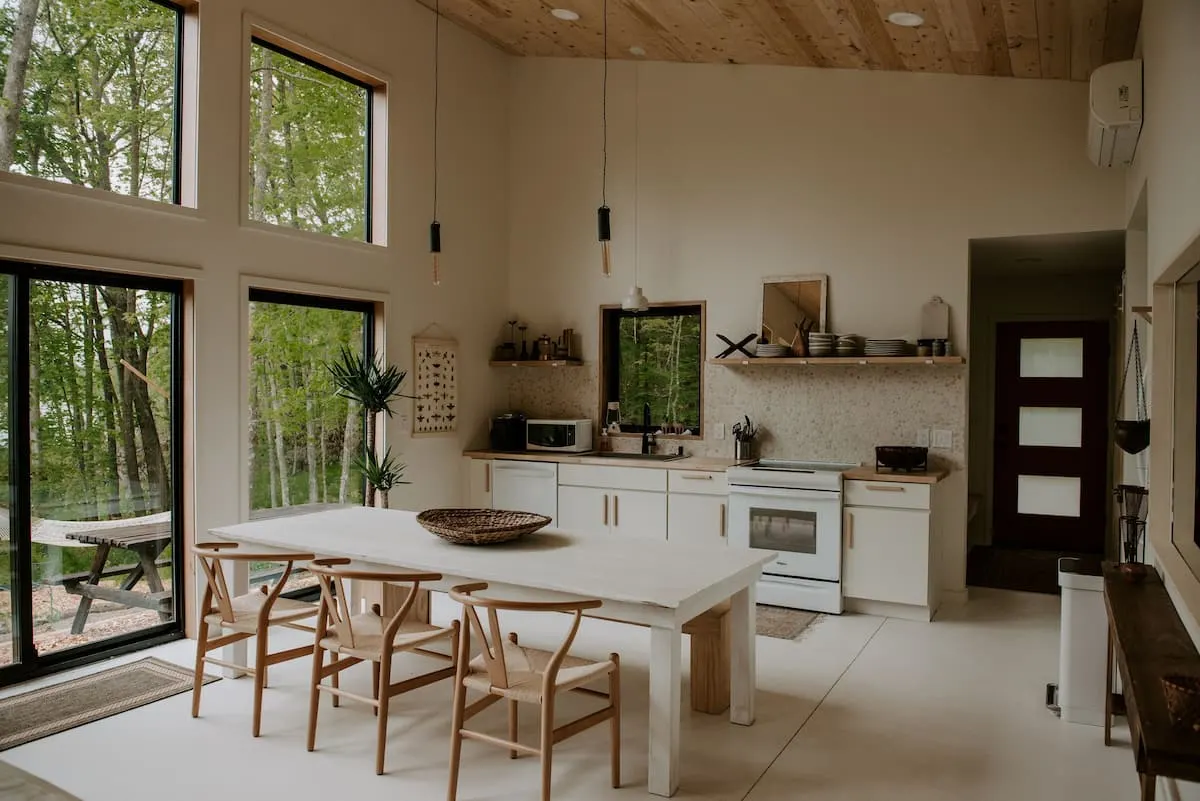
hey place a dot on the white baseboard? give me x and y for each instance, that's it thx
(954, 597)
(884, 609)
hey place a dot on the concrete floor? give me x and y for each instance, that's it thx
(861, 708)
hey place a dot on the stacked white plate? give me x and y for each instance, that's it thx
(887, 347)
(821, 344)
(766, 350)
(849, 345)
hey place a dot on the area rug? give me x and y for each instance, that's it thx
(784, 624)
(17, 785)
(39, 713)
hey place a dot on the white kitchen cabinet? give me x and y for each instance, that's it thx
(695, 519)
(886, 555)
(637, 513)
(526, 487)
(584, 510)
(479, 483)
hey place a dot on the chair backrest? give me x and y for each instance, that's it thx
(335, 614)
(491, 640)
(210, 555)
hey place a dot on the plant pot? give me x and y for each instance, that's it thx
(1132, 436)
(1133, 572)
(743, 450)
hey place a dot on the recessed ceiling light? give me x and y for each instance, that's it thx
(565, 14)
(906, 19)
(638, 51)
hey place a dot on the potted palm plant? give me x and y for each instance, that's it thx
(362, 380)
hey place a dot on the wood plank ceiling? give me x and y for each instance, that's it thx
(1063, 39)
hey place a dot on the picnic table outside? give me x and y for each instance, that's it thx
(147, 542)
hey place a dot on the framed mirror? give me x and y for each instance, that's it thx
(1186, 454)
(792, 307)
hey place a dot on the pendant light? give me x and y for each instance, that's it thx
(636, 301)
(435, 227)
(604, 214)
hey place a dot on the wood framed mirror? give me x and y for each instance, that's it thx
(792, 307)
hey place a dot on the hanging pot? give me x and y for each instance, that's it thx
(1132, 436)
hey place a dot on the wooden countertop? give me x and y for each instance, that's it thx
(931, 476)
(700, 463)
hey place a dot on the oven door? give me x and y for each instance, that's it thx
(803, 526)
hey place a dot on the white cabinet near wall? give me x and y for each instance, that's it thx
(638, 513)
(584, 510)
(526, 487)
(888, 549)
(479, 483)
(697, 507)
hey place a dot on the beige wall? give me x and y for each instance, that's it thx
(394, 40)
(877, 179)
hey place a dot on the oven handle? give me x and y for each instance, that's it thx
(786, 494)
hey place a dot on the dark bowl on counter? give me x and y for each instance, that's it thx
(902, 457)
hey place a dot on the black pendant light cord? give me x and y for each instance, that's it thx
(604, 117)
(437, 41)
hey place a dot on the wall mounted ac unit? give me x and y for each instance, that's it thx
(1115, 113)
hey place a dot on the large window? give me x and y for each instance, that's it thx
(304, 438)
(654, 358)
(310, 145)
(91, 93)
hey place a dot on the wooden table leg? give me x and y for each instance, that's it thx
(147, 555)
(666, 679)
(743, 672)
(1108, 671)
(85, 603)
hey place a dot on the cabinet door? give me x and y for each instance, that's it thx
(525, 487)
(479, 483)
(697, 519)
(584, 510)
(640, 514)
(886, 555)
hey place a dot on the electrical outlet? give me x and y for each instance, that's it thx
(943, 439)
(923, 437)
(720, 431)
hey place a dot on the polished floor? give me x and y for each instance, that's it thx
(860, 708)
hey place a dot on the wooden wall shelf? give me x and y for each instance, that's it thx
(1145, 312)
(841, 361)
(538, 363)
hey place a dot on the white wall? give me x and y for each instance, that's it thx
(394, 39)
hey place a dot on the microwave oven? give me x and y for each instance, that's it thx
(573, 436)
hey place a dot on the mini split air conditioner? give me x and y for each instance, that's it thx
(1115, 111)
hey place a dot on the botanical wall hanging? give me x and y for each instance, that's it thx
(436, 365)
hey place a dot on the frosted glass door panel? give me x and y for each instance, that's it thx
(1057, 496)
(1050, 427)
(1051, 358)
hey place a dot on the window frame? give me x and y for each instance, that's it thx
(259, 37)
(610, 382)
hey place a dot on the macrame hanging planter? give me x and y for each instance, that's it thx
(1133, 436)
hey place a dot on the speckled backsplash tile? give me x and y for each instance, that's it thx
(822, 413)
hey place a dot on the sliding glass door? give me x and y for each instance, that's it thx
(91, 429)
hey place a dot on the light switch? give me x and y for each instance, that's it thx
(943, 439)
(923, 437)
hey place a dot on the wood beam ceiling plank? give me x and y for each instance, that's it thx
(835, 38)
(468, 15)
(799, 31)
(1054, 36)
(958, 22)
(924, 48)
(1020, 20)
(1121, 29)
(714, 34)
(670, 31)
(758, 46)
(881, 53)
(991, 22)
(1087, 36)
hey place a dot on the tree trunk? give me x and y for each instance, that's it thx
(347, 453)
(310, 447)
(110, 402)
(285, 492)
(272, 468)
(14, 79)
(262, 141)
(35, 401)
(117, 301)
(135, 102)
(324, 463)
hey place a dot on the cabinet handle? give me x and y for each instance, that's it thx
(606, 510)
(850, 530)
(695, 476)
(616, 510)
(722, 520)
(487, 478)
(884, 488)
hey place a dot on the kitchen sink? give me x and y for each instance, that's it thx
(645, 457)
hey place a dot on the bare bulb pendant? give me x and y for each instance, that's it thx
(604, 226)
(435, 248)
(437, 273)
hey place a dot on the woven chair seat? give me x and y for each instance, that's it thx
(246, 608)
(526, 666)
(368, 637)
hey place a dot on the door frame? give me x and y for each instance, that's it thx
(995, 494)
(28, 664)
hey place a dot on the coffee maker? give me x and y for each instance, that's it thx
(508, 432)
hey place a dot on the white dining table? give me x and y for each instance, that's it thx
(640, 581)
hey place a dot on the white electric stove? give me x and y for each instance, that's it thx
(795, 509)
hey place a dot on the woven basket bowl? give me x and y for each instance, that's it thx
(1183, 700)
(480, 526)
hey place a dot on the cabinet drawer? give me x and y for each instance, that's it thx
(630, 478)
(888, 494)
(697, 482)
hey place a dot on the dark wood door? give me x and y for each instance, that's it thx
(1050, 478)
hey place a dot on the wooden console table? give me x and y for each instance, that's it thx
(1147, 641)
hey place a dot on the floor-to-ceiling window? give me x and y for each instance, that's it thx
(89, 441)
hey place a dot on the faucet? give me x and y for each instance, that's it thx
(647, 436)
